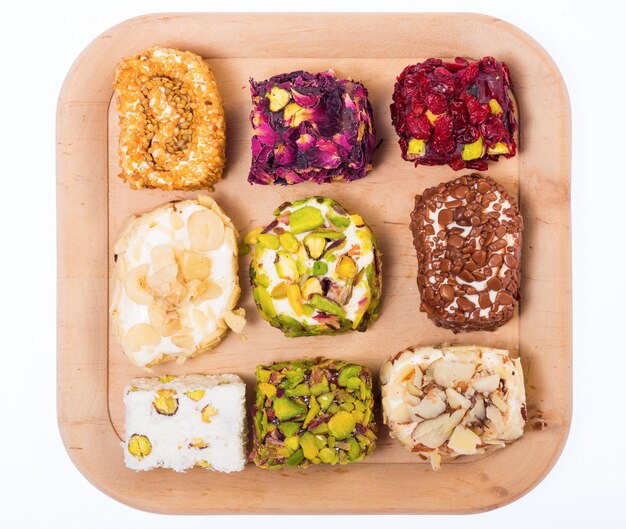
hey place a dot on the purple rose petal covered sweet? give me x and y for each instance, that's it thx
(310, 127)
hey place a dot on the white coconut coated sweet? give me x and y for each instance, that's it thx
(203, 424)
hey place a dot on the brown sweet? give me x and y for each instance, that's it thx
(468, 236)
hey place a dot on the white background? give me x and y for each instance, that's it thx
(39, 487)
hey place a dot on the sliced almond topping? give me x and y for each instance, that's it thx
(195, 266)
(432, 433)
(176, 221)
(231, 240)
(431, 405)
(157, 316)
(171, 327)
(406, 373)
(400, 413)
(162, 257)
(463, 440)
(456, 400)
(135, 285)
(207, 201)
(494, 415)
(211, 291)
(486, 384)
(478, 410)
(449, 374)
(206, 231)
(498, 402)
(141, 335)
(235, 320)
(184, 341)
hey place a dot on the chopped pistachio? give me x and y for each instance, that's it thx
(269, 241)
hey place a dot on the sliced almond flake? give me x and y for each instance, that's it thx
(207, 201)
(135, 285)
(184, 341)
(235, 321)
(231, 240)
(140, 335)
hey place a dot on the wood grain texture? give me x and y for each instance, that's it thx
(93, 201)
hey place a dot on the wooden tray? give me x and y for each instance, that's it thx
(373, 48)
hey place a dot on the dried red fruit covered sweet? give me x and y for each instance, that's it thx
(460, 114)
(310, 127)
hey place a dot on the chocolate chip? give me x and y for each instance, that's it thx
(483, 187)
(500, 232)
(460, 191)
(446, 265)
(455, 241)
(447, 293)
(504, 298)
(471, 266)
(445, 217)
(494, 284)
(466, 276)
(497, 245)
(465, 304)
(484, 300)
(510, 261)
(479, 257)
(495, 260)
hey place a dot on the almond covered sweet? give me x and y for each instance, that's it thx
(456, 113)
(468, 238)
(443, 402)
(172, 125)
(185, 422)
(176, 282)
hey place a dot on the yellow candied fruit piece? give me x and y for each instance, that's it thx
(294, 296)
(495, 107)
(196, 394)
(278, 97)
(296, 114)
(431, 117)
(416, 147)
(139, 446)
(208, 412)
(269, 390)
(499, 148)
(165, 402)
(358, 220)
(252, 235)
(472, 151)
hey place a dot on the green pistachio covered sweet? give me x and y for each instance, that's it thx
(311, 412)
(316, 269)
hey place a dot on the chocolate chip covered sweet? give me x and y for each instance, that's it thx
(468, 236)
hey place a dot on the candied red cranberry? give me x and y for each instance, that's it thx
(448, 105)
(419, 126)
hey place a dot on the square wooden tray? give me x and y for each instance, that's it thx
(373, 48)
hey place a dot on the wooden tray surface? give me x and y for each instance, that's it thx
(373, 48)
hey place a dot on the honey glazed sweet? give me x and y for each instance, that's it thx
(468, 234)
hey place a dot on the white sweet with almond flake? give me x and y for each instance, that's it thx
(176, 282)
(184, 422)
(442, 402)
